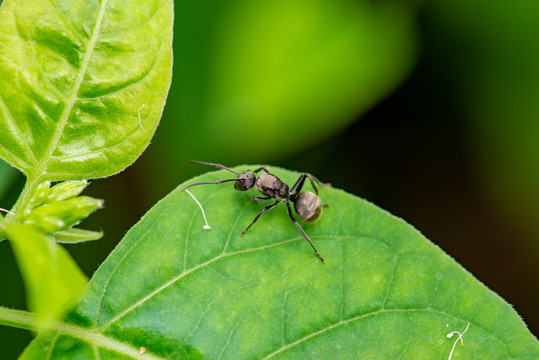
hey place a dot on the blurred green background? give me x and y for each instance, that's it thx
(428, 109)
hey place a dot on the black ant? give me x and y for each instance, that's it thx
(306, 203)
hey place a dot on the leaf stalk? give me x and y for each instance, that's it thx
(17, 318)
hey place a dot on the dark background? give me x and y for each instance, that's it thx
(430, 111)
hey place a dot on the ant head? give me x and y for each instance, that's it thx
(308, 206)
(245, 181)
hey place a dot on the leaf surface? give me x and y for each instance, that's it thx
(180, 292)
(82, 83)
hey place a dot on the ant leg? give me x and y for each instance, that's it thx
(301, 230)
(206, 183)
(261, 198)
(317, 181)
(269, 207)
(299, 183)
(312, 179)
(261, 168)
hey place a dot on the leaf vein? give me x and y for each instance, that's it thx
(232, 332)
(115, 34)
(39, 68)
(15, 160)
(185, 273)
(186, 246)
(338, 324)
(53, 342)
(74, 91)
(395, 260)
(126, 85)
(203, 265)
(240, 213)
(65, 20)
(193, 330)
(14, 125)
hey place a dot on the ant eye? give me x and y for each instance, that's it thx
(241, 185)
(245, 181)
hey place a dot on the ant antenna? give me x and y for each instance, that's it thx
(206, 183)
(212, 164)
(243, 182)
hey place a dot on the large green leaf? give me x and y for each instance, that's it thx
(177, 291)
(82, 83)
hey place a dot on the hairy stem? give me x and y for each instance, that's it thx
(17, 319)
(23, 202)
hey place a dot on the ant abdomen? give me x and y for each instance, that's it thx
(308, 206)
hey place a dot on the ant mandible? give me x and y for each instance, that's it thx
(306, 203)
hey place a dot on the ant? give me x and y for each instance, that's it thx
(306, 203)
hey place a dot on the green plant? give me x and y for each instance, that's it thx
(83, 106)
(82, 91)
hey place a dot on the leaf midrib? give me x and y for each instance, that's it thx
(41, 169)
(101, 340)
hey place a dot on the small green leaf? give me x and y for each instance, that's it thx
(183, 292)
(82, 83)
(66, 190)
(74, 236)
(62, 215)
(53, 280)
(39, 194)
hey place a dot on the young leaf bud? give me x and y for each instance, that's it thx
(66, 190)
(40, 194)
(74, 236)
(64, 214)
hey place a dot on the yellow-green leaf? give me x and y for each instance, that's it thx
(53, 280)
(82, 83)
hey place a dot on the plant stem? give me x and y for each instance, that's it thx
(20, 207)
(23, 202)
(17, 318)
(25, 320)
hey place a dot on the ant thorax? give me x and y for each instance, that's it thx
(271, 185)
